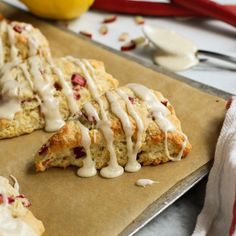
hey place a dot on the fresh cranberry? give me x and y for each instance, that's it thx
(18, 28)
(79, 152)
(43, 150)
(77, 79)
(11, 200)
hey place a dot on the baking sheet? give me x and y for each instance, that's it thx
(69, 205)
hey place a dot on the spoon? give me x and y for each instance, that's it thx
(176, 52)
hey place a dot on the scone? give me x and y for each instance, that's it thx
(42, 93)
(15, 218)
(124, 129)
(19, 40)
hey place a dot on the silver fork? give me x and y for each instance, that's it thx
(217, 55)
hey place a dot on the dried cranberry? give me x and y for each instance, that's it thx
(1, 199)
(164, 103)
(77, 79)
(79, 152)
(131, 100)
(43, 150)
(18, 28)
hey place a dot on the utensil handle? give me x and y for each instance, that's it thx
(210, 8)
(218, 56)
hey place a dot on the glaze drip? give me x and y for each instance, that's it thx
(113, 169)
(159, 113)
(9, 225)
(49, 105)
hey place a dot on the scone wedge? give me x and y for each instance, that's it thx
(42, 93)
(122, 130)
(19, 40)
(15, 218)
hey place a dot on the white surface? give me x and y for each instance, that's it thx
(179, 219)
(207, 34)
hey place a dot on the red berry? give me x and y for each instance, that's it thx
(77, 79)
(18, 28)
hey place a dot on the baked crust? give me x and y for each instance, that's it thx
(30, 117)
(64, 148)
(18, 207)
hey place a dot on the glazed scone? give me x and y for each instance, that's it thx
(41, 93)
(19, 40)
(127, 127)
(15, 218)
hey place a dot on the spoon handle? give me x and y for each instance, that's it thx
(218, 56)
(210, 8)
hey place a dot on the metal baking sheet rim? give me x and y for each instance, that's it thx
(182, 186)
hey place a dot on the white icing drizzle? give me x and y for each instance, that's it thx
(49, 105)
(159, 113)
(88, 168)
(12, 41)
(144, 182)
(113, 169)
(66, 89)
(132, 164)
(16, 184)
(91, 111)
(8, 66)
(9, 107)
(9, 104)
(3, 25)
(9, 225)
(116, 108)
(33, 46)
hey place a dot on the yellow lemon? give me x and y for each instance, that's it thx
(58, 9)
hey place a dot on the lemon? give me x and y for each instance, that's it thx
(58, 9)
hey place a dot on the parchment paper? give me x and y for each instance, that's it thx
(72, 206)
